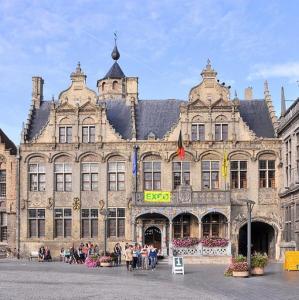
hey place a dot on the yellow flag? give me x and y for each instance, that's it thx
(224, 166)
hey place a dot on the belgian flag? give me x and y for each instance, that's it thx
(181, 150)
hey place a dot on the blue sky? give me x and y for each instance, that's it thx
(165, 43)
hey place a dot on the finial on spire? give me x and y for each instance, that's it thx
(282, 102)
(115, 53)
(78, 69)
(236, 95)
(266, 87)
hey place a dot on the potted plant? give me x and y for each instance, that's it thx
(239, 267)
(92, 261)
(258, 263)
(106, 261)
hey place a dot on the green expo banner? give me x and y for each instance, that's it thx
(155, 196)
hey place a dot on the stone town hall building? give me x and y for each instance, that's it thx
(76, 163)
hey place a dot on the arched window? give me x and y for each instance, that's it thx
(65, 131)
(115, 85)
(103, 86)
(238, 171)
(214, 225)
(221, 128)
(37, 174)
(63, 174)
(116, 173)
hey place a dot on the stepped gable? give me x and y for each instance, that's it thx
(39, 119)
(9, 145)
(156, 116)
(256, 115)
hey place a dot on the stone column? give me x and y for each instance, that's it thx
(163, 237)
(199, 230)
(139, 233)
(170, 240)
(133, 231)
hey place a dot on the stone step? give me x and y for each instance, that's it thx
(223, 260)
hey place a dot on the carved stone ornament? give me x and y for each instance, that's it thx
(50, 203)
(76, 203)
(129, 203)
(185, 194)
(101, 204)
(2, 159)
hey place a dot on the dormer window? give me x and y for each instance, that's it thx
(221, 132)
(198, 132)
(65, 134)
(88, 134)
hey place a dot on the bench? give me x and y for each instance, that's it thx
(33, 254)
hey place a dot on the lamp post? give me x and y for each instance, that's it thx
(105, 213)
(249, 204)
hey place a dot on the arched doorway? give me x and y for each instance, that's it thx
(262, 239)
(152, 236)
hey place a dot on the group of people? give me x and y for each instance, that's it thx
(78, 255)
(44, 254)
(141, 257)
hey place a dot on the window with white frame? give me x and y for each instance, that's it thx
(88, 133)
(37, 177)
(210, 174)
(181, 173)
(197, 132)
(63, 177)
(152, 175)
(63, 222)
(238, 173)
(3, 226)
(65, 134)
(288, 161)
(221, 132)
(36, 222)
(89, 222)
(2, 184)
(267, 173)
(116, 175)
(116, 222)
(89, 176)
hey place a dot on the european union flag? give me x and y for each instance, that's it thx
(134, 161)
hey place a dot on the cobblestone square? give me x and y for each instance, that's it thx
(57, 280)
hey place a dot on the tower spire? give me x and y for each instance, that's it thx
(282, 102)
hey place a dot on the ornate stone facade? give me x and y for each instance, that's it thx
(8, 166)
(83, 129)
(288, 131)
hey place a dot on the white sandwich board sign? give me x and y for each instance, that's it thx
(178, 265)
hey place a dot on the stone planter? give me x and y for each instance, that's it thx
(240, 274)
(257, 271)
(106, 264)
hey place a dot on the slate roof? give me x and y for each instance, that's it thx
(39, 119)
(255, 113)
(115, 72)
(119, 116)
(9, 145)
(159, 116)
(156, 116)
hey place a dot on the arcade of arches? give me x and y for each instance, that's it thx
(157, 229)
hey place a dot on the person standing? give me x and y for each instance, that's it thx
(152, 257)
(144, 257)
(117, 252)
(129, 257)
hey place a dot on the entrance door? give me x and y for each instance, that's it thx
(262, 239)
(152, 236)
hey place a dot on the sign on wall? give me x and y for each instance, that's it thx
(178, 265)
(156, 196)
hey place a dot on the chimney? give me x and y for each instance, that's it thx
(37, 91)
(248, 93)
(282, 103)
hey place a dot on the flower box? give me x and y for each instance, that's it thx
(106, 264)
(257, 271)
(241, 274)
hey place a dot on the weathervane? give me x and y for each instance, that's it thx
(115, 37)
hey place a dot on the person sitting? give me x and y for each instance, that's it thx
(47, 256)
(41, 253)
(66, 255)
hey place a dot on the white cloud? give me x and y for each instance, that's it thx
(288, 70)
